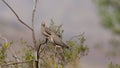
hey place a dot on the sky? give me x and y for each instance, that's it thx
(77, 16)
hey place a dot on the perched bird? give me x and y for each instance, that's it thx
(56, 40)
(52, 36)
(45, 31)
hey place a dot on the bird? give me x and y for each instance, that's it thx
(56, 40)
(52, 37)
(45, 31)
(58, 43)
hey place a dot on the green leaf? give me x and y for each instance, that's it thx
(6, 45)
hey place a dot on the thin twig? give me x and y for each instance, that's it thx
(33, 16)
(16, 63)
(77, 36)
(40, 47)
(33, 13)
(14, 55)
(46, 40)
(17, 15)
(42, 50)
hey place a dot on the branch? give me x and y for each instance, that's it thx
(41, 50)
(14, 55)
(16, 63)
(33, 15)
(38, 57)
(77, 36)
(46, 40)
(16, 15)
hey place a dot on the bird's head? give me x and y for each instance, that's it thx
(43, 24)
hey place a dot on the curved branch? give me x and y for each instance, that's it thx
(38, 54)
(17, 15)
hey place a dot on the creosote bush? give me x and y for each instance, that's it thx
(52, 59)
(49, 58)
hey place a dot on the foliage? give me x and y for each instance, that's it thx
(114, 48)
(111, 65)
(49, 58)
(2, 55)
(109, 11)
(61, 57)
(56, 28)
(110, 14)
(3, 50)
(28, 56)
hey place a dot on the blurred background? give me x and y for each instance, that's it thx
(98, 19)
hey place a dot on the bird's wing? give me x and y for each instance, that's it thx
(58, 41)
(47, 30)
(43, 30)
(50, 30)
